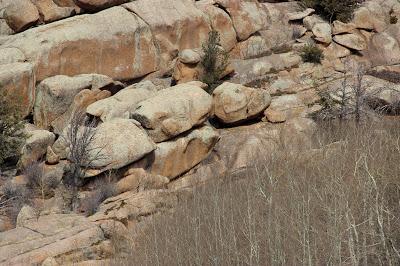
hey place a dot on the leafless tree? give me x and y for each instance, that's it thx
(80, 137)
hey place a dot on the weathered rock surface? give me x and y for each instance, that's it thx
(26, 214)
(292, 105)
(21, 14)
(56, 94)
(57, 236)
(176, 24)
(139, 180)
(301, 14)
(119, 142)
(36, 146)
(235, 102)
(352, 40)
(220, 21)
(17, 81)
(124, 102)
(81, 101)
(122, 48)
(247, 17)
(95, 5)
(11, 55)
(133, 206)
(173, 111)
(175, 157)
(322, 32)
(49, 11)
(384, 47)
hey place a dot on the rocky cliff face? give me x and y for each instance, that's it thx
(114, 59)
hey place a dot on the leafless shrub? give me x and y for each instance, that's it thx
(12, 199)
(353, 99)
(80, 137)
(336, 206)
(37, 180)
(105, 190)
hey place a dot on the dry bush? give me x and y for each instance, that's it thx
(38, 182)
(104, 191)
(11, 124)
(12, 199)
(333, 9)
(312, 54)
(337, 206)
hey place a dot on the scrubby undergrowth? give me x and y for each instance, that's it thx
(336, 206)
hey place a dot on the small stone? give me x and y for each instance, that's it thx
(51, 157)
(25, 214)
(189, 56)
(275, 116)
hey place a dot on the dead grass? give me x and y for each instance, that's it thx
(332, 206)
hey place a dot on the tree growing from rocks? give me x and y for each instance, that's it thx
(352, 98)
(214, 61)
(12, 135)
(334, 9)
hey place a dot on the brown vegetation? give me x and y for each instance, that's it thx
(337, 204)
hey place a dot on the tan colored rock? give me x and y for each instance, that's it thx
(51, 156)
(81, 101)
(117, 143)
(11, 55)
(352, 40)
(133, 206)
(253, 47)
(26, 214)
(17, 80)
(247, 17)
(275, 116)
(61, 236)
(122, 48)
(176, 25)
(175, 157)
(21, 14)
(124, 102)
(55, 95)
(49, 11)
(322, 32)
(189, 56)
(290, 105)
(335, 50)
(310, 21)
(139, 180)
(95, 5)
(384, 47)
(235, 102)
(339, 27)
(173, 111)
(370, 18)
(185, 72)
(301, 14)
(68, 3)
(50, 261)
(220, 21)
(36, 146)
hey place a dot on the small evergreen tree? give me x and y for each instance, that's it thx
(214, 61)
(12, 135)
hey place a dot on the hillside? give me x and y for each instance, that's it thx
(211, 132)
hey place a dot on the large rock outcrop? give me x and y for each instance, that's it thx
(235, 102)
(67, 237)
(21, 14)
(124, 102)
(122, 48)
(175, 157)
(17, 83)
(56, 94)
(248, 16)
(176, 24)
(117, 143)
(173, 111)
